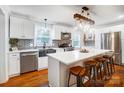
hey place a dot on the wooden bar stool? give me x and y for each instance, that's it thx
(104, 64)
(81, 72)
(87, 71)
(75, 72)
(95, 66)
(110, 62)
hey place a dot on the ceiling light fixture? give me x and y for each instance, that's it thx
(84, 16)
(45, 24)
(84, 19)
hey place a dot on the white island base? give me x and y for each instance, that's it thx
(58, 72)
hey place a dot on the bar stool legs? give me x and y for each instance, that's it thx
(112, 67)
(69, 78)
(99, 72)
(108, 69)
(94, 73)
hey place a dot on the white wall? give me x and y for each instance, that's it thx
(3, 45)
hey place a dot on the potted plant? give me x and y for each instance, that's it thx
(13, 43)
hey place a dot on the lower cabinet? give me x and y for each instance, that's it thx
(42, 62)
(14, 64)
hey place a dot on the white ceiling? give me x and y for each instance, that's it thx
(64, 13)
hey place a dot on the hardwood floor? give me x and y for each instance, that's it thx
(117, 79)
(31, 79)
(40, 79)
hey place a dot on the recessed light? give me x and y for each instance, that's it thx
(121, 16)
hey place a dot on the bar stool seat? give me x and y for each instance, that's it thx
(106, 56)
(90, 62)
(83, 72)
(100, 59)
(75, 70)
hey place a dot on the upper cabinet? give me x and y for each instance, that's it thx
(16, 30)
(59, 29)
(28, 28)
(21, 28)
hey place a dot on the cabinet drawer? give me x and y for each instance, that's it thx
(14, 56)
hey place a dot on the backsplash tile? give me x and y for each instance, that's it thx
(25, 44)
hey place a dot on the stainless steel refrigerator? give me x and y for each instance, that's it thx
(112, 41)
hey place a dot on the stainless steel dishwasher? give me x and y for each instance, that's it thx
(29, 61)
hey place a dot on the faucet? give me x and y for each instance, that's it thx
(44, 44)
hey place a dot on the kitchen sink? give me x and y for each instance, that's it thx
(44, 52)
(51, 50)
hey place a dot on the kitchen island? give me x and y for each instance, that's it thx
(59, 64)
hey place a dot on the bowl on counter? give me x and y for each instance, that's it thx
(84, 50)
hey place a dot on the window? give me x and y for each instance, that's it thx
(76, 40)
(43, 36)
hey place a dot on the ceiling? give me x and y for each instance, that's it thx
(102, 14)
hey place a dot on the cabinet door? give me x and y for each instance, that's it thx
(122, 35)
(14, 64)
(122, 47)
(42, 62)
(16, 27)
(28, 27)
(57, 32)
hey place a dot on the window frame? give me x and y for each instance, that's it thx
(76, 35)
(40, 28)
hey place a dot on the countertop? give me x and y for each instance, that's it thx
(71, 57)
(32, 50)
(24, 50)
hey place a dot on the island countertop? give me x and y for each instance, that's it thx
(71, 57)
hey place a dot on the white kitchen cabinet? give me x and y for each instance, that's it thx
(58, 29)
(14, 64)
(16, 27)
(57, 33)
(122, 34)
(42, 62)
(28, 29)
(21, 28)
